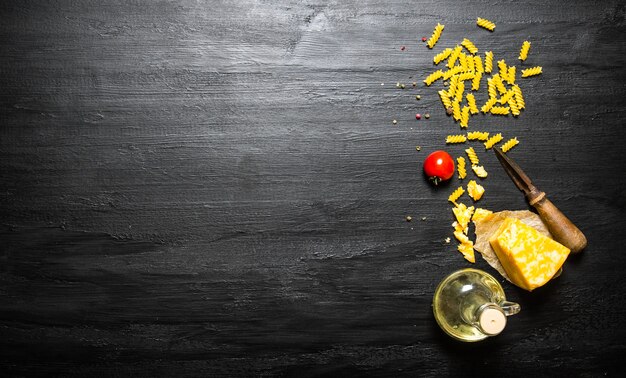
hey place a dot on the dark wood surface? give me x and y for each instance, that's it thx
(207, 188)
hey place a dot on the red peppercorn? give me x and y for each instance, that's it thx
(402, 48)
(418, 116)
(423, 39)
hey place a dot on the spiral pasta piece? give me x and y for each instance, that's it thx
(493, 140)
(463, 62)
(488, 105)
(484, 23)
(451, 72)
(469, 46)
(454, 56)
(454, 196)
(471, 102)
(509, 144)
(477, 135)
(442, 56)
(531, 71)
(479, 170)
(497, 80)
(488, 62)
(471, 154)
(466, 76)
(503, 69)
(499, 110)
(507, 96)
(465, 113)
(511, 75)
(478, 64)
(460, 167)
(519, 99)
(513, 106)
(456, 111)
(476, 81)
(460, 89)
(445, 100)
(523, 53)
(460, 138)
(435, 36)
(491, 88)
(433, 77)
(469, 60)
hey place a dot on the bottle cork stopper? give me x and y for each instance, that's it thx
(492, 320)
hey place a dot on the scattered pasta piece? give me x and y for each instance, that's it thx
(493, 140)
(519, 99)
(477, 135)
(511, 75)
(478, 64)
(475, 190)
(513, 106)
(507, 96)
(509, 144)
(465, 113)
(451, 72)
(469, 46)
(499, 110)
(460, 88)
(531, 71)
(479, 170)
(456, 111)
(497, 80)
(466, 76)
(484, 23)
(454, 56)
(523, 53)
(458, 192)
(460, 138)
(433, 77)
(463, 214)
(471, 102)
(442, 56)
(503, 70)
(488, 105)
(445, 100)
(435, 37)
(471, 154)
(476, 81)
(488, 61)
(460, 167)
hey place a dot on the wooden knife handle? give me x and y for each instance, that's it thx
(561, 228)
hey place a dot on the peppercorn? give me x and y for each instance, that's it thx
(402, 48)
(424, 39)
(449, 111)
(418, 97)
(418, 116)
(394, 121)
(427, 115)
(409, 218)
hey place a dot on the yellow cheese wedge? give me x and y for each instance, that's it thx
(529, 258)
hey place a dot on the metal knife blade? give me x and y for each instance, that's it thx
(520, 179)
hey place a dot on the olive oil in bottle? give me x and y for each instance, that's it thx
(470, 305)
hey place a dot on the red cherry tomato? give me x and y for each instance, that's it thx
(439, 166)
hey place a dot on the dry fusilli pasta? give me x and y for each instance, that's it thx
(484, 23)
(531, 71)
(460, 138)
(458, 192)
(471, 102)
(433, 77)
(454, 56)
(523, 53)
(469, 46)
(488, 61)
(489, 104)
(471, 154)
(493, 140)
(509, 144)
(476, 81)
(442, 56)
(477, 135)
(460, 167)
(465, 112)
(499, 110)
(435, 37)
(445, 100)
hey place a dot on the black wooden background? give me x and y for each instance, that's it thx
(215, 188)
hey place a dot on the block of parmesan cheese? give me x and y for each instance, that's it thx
(529, 258)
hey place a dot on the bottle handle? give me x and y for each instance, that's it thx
(510, 308)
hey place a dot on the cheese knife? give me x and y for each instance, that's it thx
(561, 228)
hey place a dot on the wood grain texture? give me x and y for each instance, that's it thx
(207, 188)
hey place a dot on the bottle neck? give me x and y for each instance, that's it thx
(491, 319)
